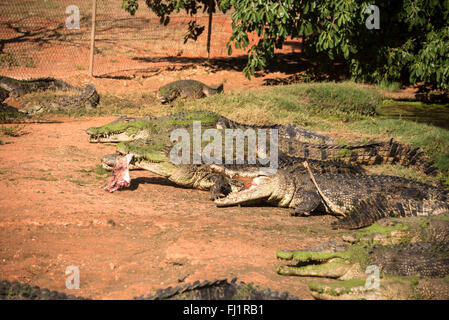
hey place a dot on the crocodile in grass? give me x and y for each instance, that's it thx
(359, 199)
(292, 140)
(186, 89)
(206, 290)
(411, 254)
(82, 98)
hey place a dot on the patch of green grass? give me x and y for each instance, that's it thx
(300, 103)
(28, 62)
(13, 131)
(80, 67)
(389, 86)
(81, 183)
(99, 170)
(8, 60)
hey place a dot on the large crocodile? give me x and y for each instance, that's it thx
(154, 157)
(292, 140)
(185, 89)
(359, 199)
(206, 290)
(394, 259)
(75, 98)
(126, 129)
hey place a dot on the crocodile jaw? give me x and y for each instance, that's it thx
(117, 137)
(315, 263)
(260, 188)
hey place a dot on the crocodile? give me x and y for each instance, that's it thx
(359, 199)
(292, 140)
(154, 157)
(411, 257)
(206, 290)
(125, 129)
(82, 98)
(185, 89)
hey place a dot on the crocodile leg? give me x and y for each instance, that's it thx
(310, 201)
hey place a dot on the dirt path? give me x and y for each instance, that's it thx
(53, 213)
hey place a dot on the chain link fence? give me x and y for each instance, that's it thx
(52, 38)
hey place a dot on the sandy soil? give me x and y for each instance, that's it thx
(54, 213)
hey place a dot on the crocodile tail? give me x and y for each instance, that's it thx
(365, 213)
(364, 154)
(379, 206)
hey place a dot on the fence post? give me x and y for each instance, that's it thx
(92, 38)
(209, 28)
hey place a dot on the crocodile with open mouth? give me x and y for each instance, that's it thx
(154, 157)
(411, 257)
(126, 129)
(186, 89)
(359, 199)
(87, 98)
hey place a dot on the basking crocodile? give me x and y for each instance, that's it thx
(410, 255)
(81, 98)
(206, 290)
(359, 199)
(126, 129)
(154, 157)
(292, 139)
(185, 89)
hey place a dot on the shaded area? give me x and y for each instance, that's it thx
(433, 114)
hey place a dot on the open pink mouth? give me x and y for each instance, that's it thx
(120, 174)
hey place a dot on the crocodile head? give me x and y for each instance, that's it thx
(392, 259)
(154, 157)
(260, 185)
(126, 129)
(118, 131)
(211, 90)
(271, 186)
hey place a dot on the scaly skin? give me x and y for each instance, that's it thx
(292, 140)
(155, 158)
(22, 291)
(360, 199)
(83, 98)
(185, 89)
(413, 262)
(206, 290)
(126, 129)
